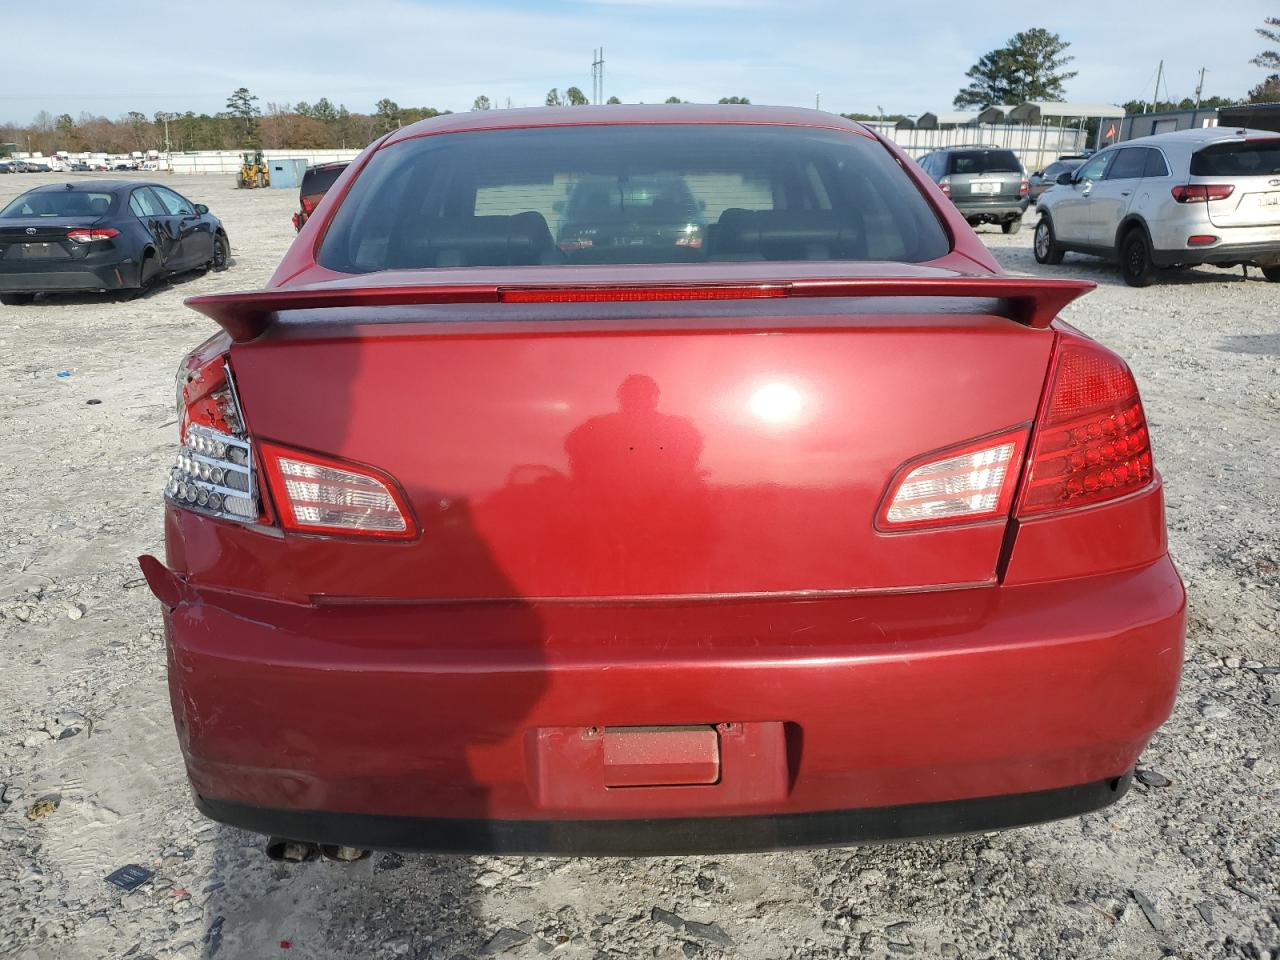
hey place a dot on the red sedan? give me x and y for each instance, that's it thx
(818, 530)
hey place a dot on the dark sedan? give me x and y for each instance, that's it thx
(103, 235)
(1042, 180)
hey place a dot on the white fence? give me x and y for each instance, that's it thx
(1036, 146)
(229, 161)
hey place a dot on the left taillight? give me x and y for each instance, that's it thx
(219, 465)
(85, 235)
(214, 470)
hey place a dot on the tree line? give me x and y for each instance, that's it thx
(1031, 66)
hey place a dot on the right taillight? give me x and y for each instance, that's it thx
(1091, 442)
(945, 185)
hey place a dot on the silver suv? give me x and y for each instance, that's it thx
(1207, 196)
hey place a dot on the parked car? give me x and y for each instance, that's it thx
(1203, 196)
(987, 184)
(470, 546)
(604, 217)
(103, 235)
(315, 184)
(1042, 180)
(6, 166)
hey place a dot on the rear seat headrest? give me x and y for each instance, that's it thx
(523, 238)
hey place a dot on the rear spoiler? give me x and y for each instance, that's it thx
(1030, 301)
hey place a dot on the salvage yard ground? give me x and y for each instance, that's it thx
(1187, 865)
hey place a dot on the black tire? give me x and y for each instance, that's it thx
(1136, 265)
(221, 254)
(16, 299)
(1272, 274)
(1011, 226)
(1045, 243)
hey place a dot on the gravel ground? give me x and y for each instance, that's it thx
(91, 777)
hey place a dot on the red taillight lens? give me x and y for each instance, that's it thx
(83, 235)
(309, 205)
(316, 494)
(619, 294)
(1201, 240)
(206, 397)
(1024, 188)
(1091, 442)
(945, 185)
(964, 484)
(1201, 192)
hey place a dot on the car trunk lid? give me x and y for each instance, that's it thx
(615, 450)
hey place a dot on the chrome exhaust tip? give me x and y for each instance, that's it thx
(281, 849)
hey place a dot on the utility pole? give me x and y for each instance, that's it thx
(1155, 97)
(597, 76)
(1200, 87)
(817, 101)
(167, 148)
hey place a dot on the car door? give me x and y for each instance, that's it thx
(1070, 211)
(195, 236)
(1111, 196)
(164, 230)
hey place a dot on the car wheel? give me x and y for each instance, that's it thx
(1272, 274)
(221, 254)
(1135, 259)
(1011, 226)
(17, 299)
(1045, 244)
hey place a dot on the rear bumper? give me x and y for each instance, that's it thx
(68, 275)
(986, 210)
(1265, 254)
(865, 718)
(671, 837)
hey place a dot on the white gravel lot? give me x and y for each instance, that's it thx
(1189, 869)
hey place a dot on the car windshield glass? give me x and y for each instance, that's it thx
(983, 161)
(60, 203)
(664, 193)
(1250, 158)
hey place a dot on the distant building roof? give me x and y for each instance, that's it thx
(955, 118)
(1035, 111)
(996, 113)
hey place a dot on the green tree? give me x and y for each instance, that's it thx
(575, 97)
(242, 106)
(1028, 67)
(324, 111)
(553, 98)
(386, 114)
(140, 129)
(1268, 91)
(613, 100)
(733, 100)
(481, 103)
(673, 100)
(1269, 59)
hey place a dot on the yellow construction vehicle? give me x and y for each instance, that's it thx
(253, 171)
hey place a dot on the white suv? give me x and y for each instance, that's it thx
(1175, 199)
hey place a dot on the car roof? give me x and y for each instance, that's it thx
(96, 186)
(692, 113)
(1201, 135)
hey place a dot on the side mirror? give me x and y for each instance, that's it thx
(201, 209)
(1066, 179)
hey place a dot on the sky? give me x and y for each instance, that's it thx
(905, 57)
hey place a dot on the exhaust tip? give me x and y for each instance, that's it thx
(284, 850)
(342, 854)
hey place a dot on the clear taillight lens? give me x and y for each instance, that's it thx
(316, 494)
(962, 485)
(945, 185)
(214, 473)
(1091, 444)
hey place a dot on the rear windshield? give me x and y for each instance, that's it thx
(1249, 158)
(60, 203)
(318, 180)
(661, 193)
(984, 161)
